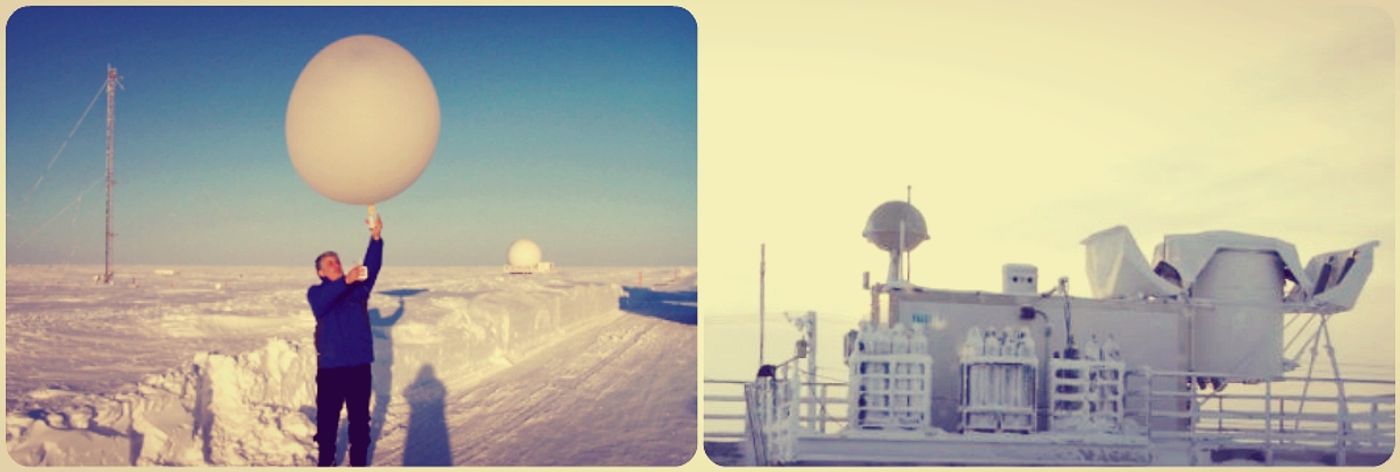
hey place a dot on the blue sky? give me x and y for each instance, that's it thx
(574, 127)
(1024, 127)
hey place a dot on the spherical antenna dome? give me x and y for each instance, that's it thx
(883, 227)
(523, 253)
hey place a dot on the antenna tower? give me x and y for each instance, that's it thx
(111, 122)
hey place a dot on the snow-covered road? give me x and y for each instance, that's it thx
(617, 392)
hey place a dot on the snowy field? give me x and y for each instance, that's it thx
(215, 365)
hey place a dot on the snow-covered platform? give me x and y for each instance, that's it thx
(895, 448)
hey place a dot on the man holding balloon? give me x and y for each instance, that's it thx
(344, 348)
(362, 124)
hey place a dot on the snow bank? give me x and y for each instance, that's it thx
(687, 281)
(485, 331)
(258, 407)
(244, 409)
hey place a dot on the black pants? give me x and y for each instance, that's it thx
(349, 386)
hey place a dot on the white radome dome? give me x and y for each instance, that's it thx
(523, 253)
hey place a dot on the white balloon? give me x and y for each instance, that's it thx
(523, 253)
(362, 121)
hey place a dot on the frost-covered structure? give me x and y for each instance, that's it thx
(1136, 375)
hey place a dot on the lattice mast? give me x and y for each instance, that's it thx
(111, 123)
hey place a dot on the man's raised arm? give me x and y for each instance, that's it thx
(374, 255)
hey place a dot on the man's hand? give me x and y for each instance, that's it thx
(376, 226)
(356, 274)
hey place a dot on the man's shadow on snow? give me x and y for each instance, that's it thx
(679, 307)
(382, 371)
(428, 442)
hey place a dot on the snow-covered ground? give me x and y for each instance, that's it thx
(214, 365)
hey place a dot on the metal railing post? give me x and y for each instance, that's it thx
(1375, 433)
(1220, 413)
(1195, 416)
(1268, 420)
(823, 391)
(1147, 375)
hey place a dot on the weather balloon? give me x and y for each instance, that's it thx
(362, 121)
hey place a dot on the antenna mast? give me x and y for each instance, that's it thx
(762, 274)
(111, 122)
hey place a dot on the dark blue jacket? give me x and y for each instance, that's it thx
(343, 336)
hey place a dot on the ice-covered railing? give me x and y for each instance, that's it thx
(1280, 414)
(771, 406)
(724, 408)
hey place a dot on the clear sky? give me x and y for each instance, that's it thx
(1025, 127)
(573, 127)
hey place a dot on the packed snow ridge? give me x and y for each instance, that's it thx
(258, 407)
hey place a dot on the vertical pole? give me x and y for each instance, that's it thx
(1147, 379)
(1375, 425)
(1344, 416)
(1069, 332)
(901, 250)
(1220, 410)
(812, 367)
(875, 305)
(1312, 362)
(908, 256)
(1268, 419)
(762, 274)
(1195, 417)
(111, 122)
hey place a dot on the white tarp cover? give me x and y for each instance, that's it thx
(1189, 253)
(1117, 268)
(1347, 275)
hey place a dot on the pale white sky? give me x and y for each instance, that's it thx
(1024, 128)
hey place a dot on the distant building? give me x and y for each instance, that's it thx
(523, 257)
